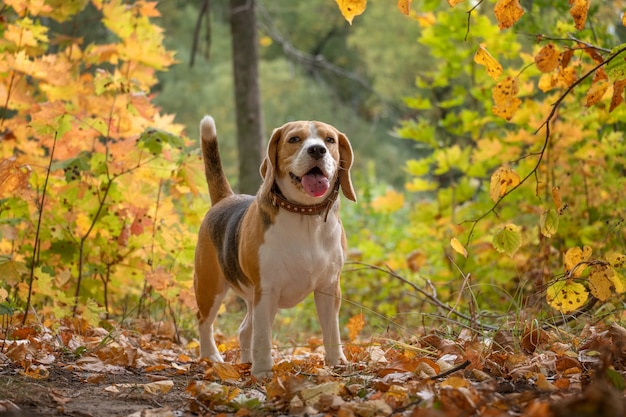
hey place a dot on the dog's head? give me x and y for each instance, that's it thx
(304, 159)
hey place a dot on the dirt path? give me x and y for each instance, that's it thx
(65, 392)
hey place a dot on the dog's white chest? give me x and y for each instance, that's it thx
(300, 254)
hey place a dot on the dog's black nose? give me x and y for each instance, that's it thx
(317, 151)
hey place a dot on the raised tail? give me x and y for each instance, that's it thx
(219, 188)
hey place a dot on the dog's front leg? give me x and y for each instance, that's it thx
(327, 303)
(263, 314)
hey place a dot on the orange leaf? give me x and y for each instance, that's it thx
(453, 3)
(579, 12)
(355, 325)
(508, 12)
(618, 93)
(483, 57)
(405, 6)
(547, 59)
(351, 8)
(596, 92)
(505, 98)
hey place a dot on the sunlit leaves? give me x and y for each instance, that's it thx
(483, 57)
(351, 8)
(389, 202)
(508, 239)
(566, 296)
(502, 181)
(508, 12)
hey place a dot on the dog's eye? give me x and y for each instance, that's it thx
(330, 140)
(294, 139)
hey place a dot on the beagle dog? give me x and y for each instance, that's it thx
(275, 248)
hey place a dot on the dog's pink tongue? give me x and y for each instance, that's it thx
(315, 184)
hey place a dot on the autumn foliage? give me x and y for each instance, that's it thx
(470, 292)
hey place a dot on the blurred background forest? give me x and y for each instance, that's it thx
(418, 111)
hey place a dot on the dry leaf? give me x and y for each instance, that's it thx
(484, 58)
(618, 93)
(596, 92)
(506, 102)
(547, 59)
(351, 8)
(355, 325)
(579, 12)
(508, 12)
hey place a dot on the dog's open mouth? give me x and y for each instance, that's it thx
(314, 182)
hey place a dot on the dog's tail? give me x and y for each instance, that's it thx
(219, 188)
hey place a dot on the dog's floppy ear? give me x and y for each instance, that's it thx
(268, 166)
(345, 163)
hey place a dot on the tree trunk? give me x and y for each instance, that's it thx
(247, 95)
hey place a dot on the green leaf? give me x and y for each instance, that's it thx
(153, 139)
(549, 222)
(508, 240)
(616, 69)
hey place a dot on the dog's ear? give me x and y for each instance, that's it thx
(345, 163)
(268, 166)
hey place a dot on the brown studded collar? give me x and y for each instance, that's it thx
(278, 200)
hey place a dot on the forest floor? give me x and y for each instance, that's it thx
(82, 371)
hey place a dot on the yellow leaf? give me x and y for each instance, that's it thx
(566, 296)
(558, 201)
(505, 98)
(547, 59)
(484, 58)
(617, 260)
(455, 382)
(389, 202)
(425, 20)
(596, 92)
(226, 371)
(603, 281)
(351, 8)
(453, 3)
(404, 6)
(458, 246)
(502, 181)
(624, 19)
(508, 12)
(579, 12)
(574, 260)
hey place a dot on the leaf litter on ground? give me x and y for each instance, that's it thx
(140, 370)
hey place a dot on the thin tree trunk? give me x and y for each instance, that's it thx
(247, 95)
